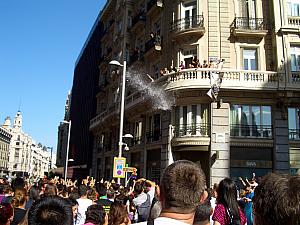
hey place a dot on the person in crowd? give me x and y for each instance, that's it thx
(19, 202)
(276, 200)
(6, 213)
(204, 65)
(249, 194)
(111, 194)
(83, 204)
(50, 190)
(142, 201)
(181, 65)
(203, 213)
(227, 210)
(118, 215)
(92, 194)
(50, 210)
(33, 196)
(103, 201)
(95, 215)
(181, 190)
(74, 204)
(8, 194)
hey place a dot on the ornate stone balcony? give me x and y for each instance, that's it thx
(231, 79)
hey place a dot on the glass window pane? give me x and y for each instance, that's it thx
(293, 62)
(246, 64)
(266, 115)
(292, 118)
(253, 64)
(245, 121)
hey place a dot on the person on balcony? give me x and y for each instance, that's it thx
(181, 66)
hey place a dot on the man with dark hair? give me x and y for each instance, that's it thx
(277, 200)
(51, 210)
(203, 212)
(181, 190)
(83, 204)
(103, 199)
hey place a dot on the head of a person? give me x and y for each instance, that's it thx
(111, 194)
(276, 200)
(34, 193)
(138, 188)
(50, 210)
(95, 214)
(74, 205)
(181, 187)
(6, 213)
(50, 190)
(82, 190)
(101, 189)
(118, 214)
(18, 183)
(202, 213)
(20, 197)
(227, 196)
(92, 194)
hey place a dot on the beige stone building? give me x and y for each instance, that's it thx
(250, 124)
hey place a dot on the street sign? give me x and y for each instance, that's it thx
(119, 164)
(129, 169)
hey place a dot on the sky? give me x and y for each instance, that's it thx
(40, 41)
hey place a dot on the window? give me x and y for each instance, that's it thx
(250, 121)
(250, 59)
(154, 128)
(293, 7)
(294, 123)
(138, 132)
(189, 13)
(247, 8)
(295, 58)
(188, 55)
(191, 120)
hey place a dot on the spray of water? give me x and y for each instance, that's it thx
(156, 94)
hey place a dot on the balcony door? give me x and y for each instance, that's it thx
(247, 8)
(295, 59)
(293, 7)
(250, 59)
(189, 13)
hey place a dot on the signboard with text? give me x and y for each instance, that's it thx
(119, 165)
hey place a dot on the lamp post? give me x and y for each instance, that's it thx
(116, 63)
(67, 151)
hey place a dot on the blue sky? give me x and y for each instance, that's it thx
(40, 41)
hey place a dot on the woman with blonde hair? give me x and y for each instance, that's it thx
(19, 202)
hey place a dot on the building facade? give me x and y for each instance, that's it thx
(25, 158)
(237, 117)
(5, 137)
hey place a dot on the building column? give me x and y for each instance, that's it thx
(220, 145)
(281, 157)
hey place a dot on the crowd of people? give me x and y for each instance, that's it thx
(182, 197)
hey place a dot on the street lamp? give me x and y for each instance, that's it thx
(116, 63)
(67, 151)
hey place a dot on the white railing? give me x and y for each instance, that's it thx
(294, 20)
(231, 79)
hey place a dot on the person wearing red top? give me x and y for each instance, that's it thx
(227, 211)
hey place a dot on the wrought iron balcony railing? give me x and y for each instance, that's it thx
(188, 23)
(155, 41)
(294, 134)
(256, 131)
(153, 136)
(249, 23)
(192, 129)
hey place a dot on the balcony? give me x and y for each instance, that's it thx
(153, 46)
(294, 134)
(188, 27)
(138, 21)
(231, 79)
(153, 136)
(250, 27)
(191, 134)
(154, 6)
(251, 131)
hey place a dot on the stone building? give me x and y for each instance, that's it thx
(236, 117)
(5, 137)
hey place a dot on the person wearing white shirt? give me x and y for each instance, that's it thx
(83, 204)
